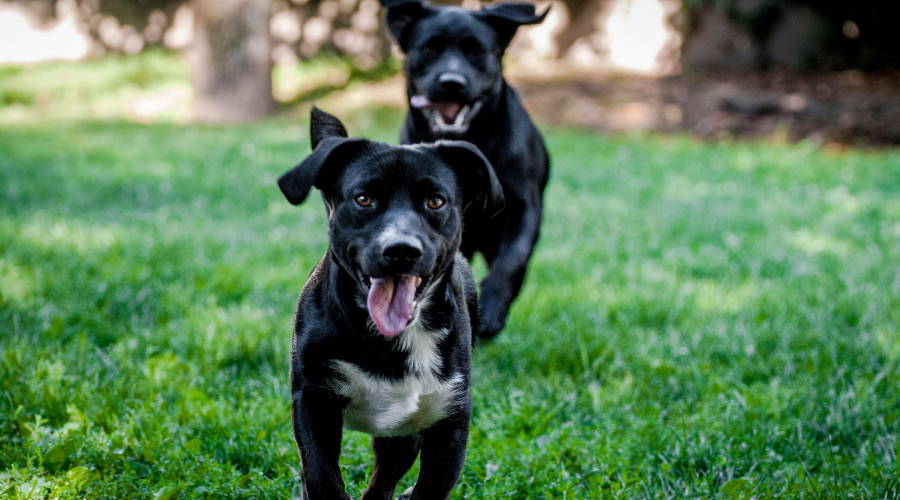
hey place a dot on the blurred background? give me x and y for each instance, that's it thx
(826, 71)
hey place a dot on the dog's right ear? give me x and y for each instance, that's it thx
(331, 150)
(506, 17)
(476, 173)
(401, 15)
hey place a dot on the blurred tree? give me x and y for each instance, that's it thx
(231, 60)
(582, 22)
(230, 52)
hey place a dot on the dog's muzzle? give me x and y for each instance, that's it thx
(393, 287)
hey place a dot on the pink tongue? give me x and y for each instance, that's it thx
(390, 302)
(419, 101)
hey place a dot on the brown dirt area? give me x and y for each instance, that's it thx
(846, 107)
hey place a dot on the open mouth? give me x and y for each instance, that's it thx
(446, 116)
(392, 302)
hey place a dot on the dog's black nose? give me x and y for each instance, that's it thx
(404, 250)
(452, 81)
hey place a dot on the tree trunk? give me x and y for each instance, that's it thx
(231, 61)
(583, 16)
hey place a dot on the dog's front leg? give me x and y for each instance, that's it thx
(442, 457)
(317, 428)
(393, 457)
(507, 265)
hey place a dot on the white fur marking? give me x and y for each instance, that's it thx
(385, 407)
(420, 342)
(397, 407)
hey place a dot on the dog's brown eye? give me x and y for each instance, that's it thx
(435, 202)
(363, 200)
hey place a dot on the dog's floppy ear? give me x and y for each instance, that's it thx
(475, 172)
(401, 15)
(506, 17)
(331, 149)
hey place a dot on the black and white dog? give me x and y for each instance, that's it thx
(456, 90)
(382, 337)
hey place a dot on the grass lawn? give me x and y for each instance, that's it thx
(699, 320)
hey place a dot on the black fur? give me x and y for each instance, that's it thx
(454, 55)
(332, 321)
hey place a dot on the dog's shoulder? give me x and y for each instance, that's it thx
(463, 280)
(522, 138)
(464, 284)
(309, 304)
(316, 336)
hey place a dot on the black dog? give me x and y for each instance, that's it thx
(382, 337)
(456, 90)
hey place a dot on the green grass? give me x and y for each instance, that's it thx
(700, 320)
(72, 90)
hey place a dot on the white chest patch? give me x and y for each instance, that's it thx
(397, 407)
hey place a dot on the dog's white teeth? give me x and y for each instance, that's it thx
(418, 281)
(460, 117)
(458, 121)
(440, 123)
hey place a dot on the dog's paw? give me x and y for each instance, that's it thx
(491, 312)
(406, 495)
(489, 324)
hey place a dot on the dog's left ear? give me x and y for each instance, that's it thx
(331, 149)
(506, 17)
(475, 172)
(320, 168)
(401, 15)
(323, 125)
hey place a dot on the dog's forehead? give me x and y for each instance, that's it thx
(401, 163)
(454, 22)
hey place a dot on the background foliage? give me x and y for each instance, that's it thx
(851, 35)
(352, 28)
